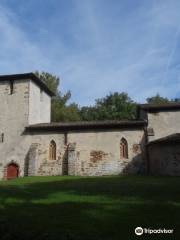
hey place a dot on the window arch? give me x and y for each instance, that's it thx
(123, 148)
(52, 150)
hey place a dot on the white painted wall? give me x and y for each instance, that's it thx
(164, 123)
(39, 106)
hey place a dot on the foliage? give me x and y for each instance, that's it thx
(63, 112)
(50, 80)
(177, 100)
(115, 106)
(157, 99)
(89, 113)
(60, 109)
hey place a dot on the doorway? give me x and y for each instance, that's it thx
(12, 171)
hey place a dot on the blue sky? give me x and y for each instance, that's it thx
(95, 46)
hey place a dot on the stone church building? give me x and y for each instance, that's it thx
(31, 145)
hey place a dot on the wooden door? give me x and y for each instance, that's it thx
(12, 171)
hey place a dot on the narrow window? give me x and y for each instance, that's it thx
(123, 148)
(52, 150)
(2, 137)
(11, 87)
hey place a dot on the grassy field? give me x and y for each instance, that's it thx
(84, 208)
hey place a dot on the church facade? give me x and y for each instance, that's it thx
(31, 145)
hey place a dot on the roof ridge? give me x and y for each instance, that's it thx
(29, 75)
(86, 125)
(162, 106)
(174, 137)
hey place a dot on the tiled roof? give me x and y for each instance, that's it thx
(157, 107)
(87, 125)
(168, 139)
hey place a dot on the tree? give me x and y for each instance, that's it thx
(50, 80)
(157, 99)
(177, 100)
(89, 113)
(115, 106)
(63, 112)
(60, 109)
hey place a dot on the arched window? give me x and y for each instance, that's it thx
(123, 148)
(52, 150)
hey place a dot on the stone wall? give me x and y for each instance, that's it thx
(163, 123)
(98, 152)
(39, 105)
(88, 153)
(15, 114)
(40, 154)
(13, 119)
(164, 159)
(84, 152)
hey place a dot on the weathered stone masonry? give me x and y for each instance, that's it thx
(87, 152)
(81, 148)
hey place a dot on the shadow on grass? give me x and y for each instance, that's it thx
(88, 208)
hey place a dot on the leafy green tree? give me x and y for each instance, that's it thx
(157, 99)
(63, 112)
(60, 109)
(50, 80)
(177, 100)
(115, 106)
(89, 113)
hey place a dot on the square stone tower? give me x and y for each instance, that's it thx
(24, 100)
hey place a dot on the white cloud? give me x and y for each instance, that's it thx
(17, 53)
(130, 51)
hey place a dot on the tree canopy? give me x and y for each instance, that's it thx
(52, 81)
(114, 106)
(157, 99)
(60, 109)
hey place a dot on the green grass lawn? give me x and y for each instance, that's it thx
(84, 208)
